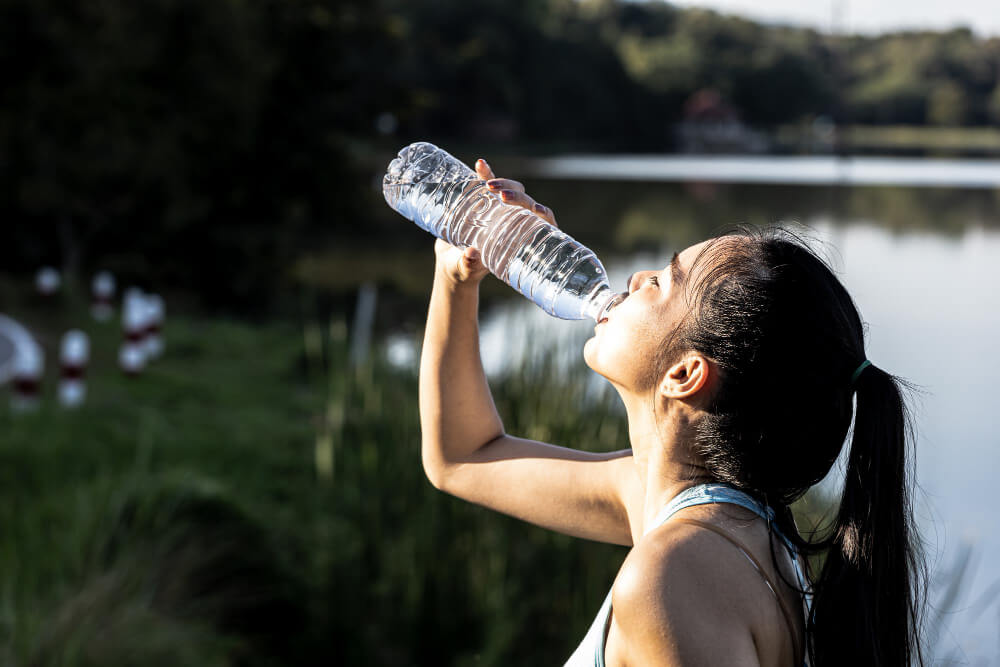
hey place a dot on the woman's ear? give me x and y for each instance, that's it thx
(686, 378)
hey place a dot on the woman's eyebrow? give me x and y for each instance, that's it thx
(676, 275)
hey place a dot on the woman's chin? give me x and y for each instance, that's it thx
(590, 355)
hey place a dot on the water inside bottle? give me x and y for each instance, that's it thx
(444, 197)
(535, 258)
(425, 203)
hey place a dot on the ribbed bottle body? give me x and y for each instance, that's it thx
(548, 266)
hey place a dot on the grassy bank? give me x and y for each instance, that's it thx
(252, 500)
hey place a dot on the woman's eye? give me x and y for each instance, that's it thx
(654, 280)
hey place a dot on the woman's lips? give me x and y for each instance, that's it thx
(614, 304)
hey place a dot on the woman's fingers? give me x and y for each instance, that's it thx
(546, 214)
(524, 200)
(500, 184)
(472, 264)
(459, 265)
(520, 198)
(483, 170)
(512, 192)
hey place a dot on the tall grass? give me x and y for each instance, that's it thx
(254, 499)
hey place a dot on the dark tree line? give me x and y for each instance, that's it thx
(192, 144)
(619, 73)
(204, 145)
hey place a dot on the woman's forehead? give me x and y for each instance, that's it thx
(687, 257)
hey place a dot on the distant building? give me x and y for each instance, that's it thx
(711, 125)
(496, 127)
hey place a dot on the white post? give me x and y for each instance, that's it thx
(364, 320)
(29, 368)
(47, 281)
(155, 316)
(102, 291)
(74, 355)
(132, 355)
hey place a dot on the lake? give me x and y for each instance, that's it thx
(917, 244)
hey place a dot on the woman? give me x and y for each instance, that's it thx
(738, 364)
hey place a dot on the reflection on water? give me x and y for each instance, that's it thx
(934, 314)
(809, 170)
(923, 265)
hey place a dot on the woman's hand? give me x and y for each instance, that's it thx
(465, 267)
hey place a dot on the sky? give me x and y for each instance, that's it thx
(865, 16)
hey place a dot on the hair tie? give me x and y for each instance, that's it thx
(857, 373)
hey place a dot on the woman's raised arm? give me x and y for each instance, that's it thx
(464, 448)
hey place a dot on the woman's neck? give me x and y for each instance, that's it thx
(661, 449)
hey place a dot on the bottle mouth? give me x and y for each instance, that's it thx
(614, 300)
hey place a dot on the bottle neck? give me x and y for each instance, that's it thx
(601, 302)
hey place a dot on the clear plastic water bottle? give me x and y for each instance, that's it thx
(445, 197)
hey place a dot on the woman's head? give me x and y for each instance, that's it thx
(777, 338)
(627, 347)
(760, 332)
(785, 337)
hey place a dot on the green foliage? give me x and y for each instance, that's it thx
(517, 70)
(184, 517)
(253, 499)
(923, 77)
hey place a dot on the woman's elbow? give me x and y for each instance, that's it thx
(435, 469)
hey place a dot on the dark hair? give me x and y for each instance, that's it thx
(786, 337)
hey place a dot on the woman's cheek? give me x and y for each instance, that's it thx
(594, 354)
(607, 353)
(588, 352)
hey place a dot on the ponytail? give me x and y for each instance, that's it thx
(865, 605)
(759, 298)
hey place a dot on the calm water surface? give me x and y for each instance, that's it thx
(923, 265)
(793, 169)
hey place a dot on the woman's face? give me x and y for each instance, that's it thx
(627, 344)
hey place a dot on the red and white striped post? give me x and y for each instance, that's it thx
(29, 369)
(74, 355)
(155, 315)
(132, 354)
(102, 291)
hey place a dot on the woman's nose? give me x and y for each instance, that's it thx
(628, 283)
(633, 280)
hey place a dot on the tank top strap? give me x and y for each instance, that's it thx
(705, 494)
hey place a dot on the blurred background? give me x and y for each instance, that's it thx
(209, 446)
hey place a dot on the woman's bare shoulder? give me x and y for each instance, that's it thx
(679, 557)
(677, 599)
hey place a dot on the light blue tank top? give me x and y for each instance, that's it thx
(590, 652)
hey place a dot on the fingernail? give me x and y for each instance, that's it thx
(495, 183)
(485, 163)
(507, 194)
(539, 208)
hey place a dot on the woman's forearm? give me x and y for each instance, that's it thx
(457, 413)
